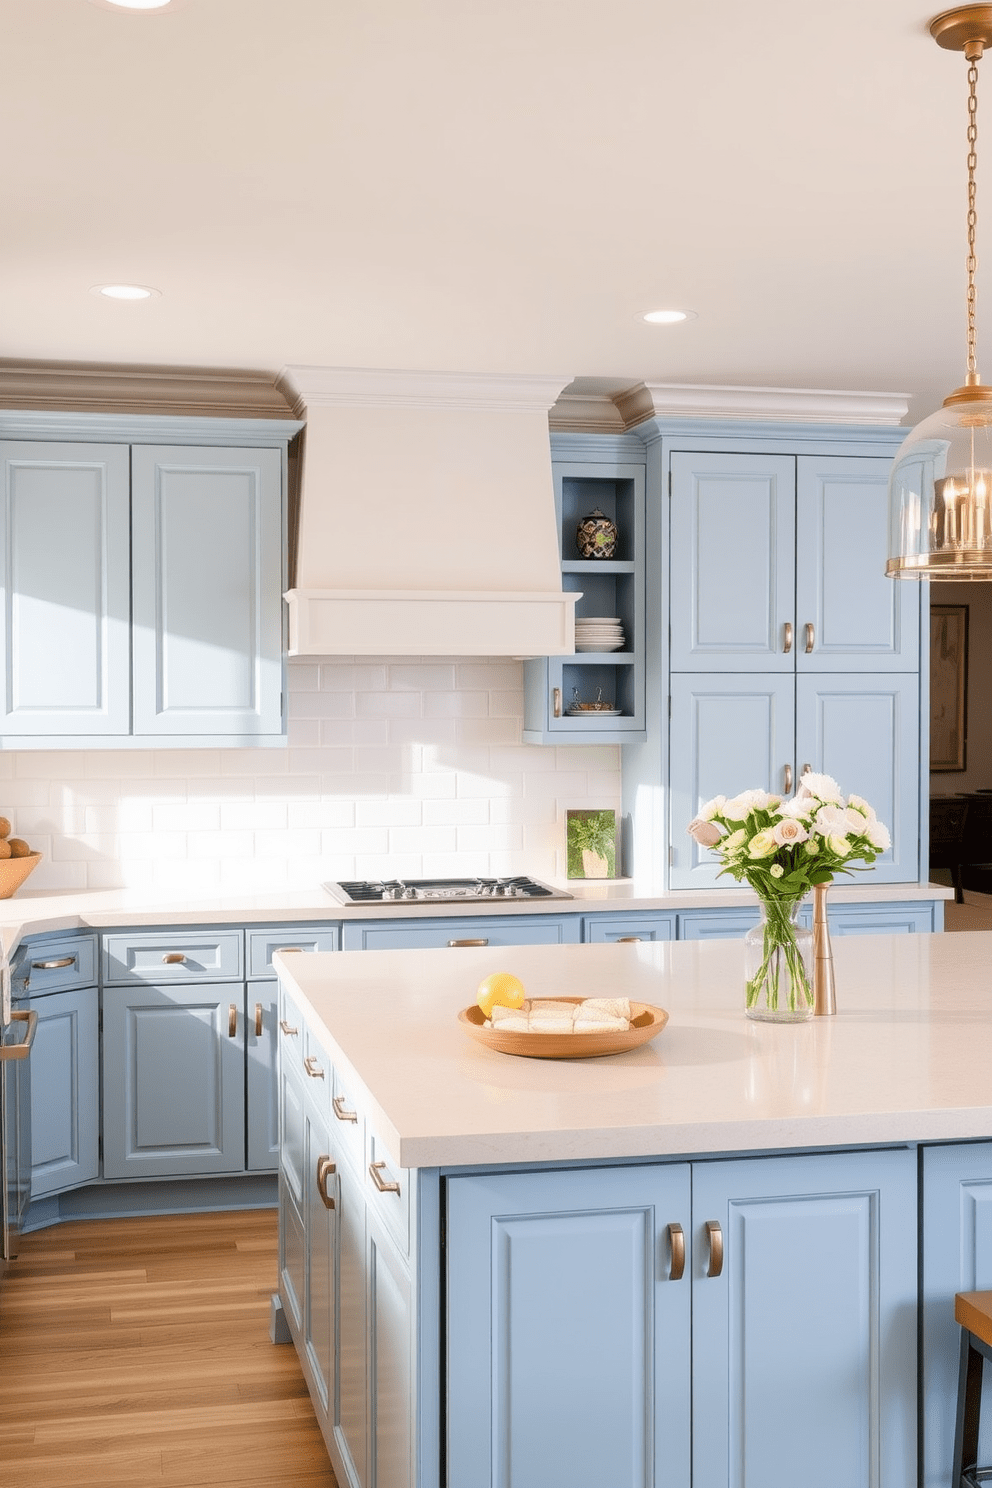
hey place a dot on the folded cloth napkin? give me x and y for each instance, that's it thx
(600, 1023)
(609, 1007)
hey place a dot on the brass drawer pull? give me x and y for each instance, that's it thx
(258, 1020)
(788, 780)
(312, 1068)
(484, 942)
(556, 702)
(21, 1051)
(289, 1032)
(173, 958)
(714, 1235)
(286, 950)
(810, 637)
(627, 939)
(380, 1183)
(787, 645)
(53, 965)
(325, 1167)
(232, 1020)
(340, 1112)
(676, 1239)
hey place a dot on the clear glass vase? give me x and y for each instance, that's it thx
(778, 965)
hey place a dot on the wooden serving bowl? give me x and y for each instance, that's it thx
(646, 1022)
(13, 872)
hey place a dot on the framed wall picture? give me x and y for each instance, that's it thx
(948, 686)
(591, 844)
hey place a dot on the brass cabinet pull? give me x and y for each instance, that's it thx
(787, 643)
(53, 965)
(380, 1183)
(258, 1020)
(21, 1051)
(232, 1020)
(312, 1068)
(341, 1111)
(806, 771)
(627, 939)
(286, 950)
(468, 942)
(289, 1032)
(714, 1235)
(556, 702)
(173, 958)
(810, 637)
(788, 780)
(676, 1239)
(325, 1168)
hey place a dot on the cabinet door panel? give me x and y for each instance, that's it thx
(207, 534)
(957, 1257)
(361, 935)
(351, 1395)
(319, 1322)
(864, 731)
(727, 734)
(804, 1347)
(173, 1081)
(65, 1091)
(558, 1303)
(390, 1369)
(262, 1086)
(65, 570)
(862, 621)
(733, 538)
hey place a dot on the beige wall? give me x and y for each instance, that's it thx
(978, 755)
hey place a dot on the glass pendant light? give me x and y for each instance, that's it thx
(940, 490)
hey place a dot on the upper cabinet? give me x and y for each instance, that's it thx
(597, 695)
(778, 566)
(142, 590)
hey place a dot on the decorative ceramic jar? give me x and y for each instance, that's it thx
(596, 536)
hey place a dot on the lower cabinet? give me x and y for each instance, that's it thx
(385, 935)
(956, 1257)
(576, 1340)
(65, 1091)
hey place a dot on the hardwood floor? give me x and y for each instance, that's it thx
(136, 1351)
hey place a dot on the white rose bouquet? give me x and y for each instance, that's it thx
(783, 848)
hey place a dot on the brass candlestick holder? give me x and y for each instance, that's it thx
(824, 1000)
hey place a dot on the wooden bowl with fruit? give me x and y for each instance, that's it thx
(17, 861)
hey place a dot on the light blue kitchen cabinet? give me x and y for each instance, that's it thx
(575, 1345)
(142, 577)
(385, 935)
(600, 928)
(716, 924)
(778, 565)
(605, 474)
(65, 571)
(207, 591)
(65, 1091)
(957, 1257)
(731, 732)
(173, 1080)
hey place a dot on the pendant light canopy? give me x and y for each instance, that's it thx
(940, 490)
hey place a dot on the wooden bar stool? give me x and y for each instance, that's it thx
(973, 1310)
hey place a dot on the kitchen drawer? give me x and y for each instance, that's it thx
(262, 944)
(54, 964)
(301, 1055)
(348, 1124)
(717, 924)
(164, 956)
(599, 928)
(402, 935)
(387, 1193)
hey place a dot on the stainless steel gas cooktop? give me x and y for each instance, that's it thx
(441, 890)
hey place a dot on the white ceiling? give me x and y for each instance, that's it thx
(494, 186)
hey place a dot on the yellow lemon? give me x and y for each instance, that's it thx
(502, 988)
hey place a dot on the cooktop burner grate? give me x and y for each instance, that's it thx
(441, 890)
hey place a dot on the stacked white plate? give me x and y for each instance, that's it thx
(598, 633)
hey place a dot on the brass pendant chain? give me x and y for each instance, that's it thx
(972, 261)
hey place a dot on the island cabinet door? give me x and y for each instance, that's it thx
(804, 1321)
(957, 1257)
(568, 1329)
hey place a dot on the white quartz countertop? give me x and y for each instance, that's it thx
(905, 1059)
(36, 913)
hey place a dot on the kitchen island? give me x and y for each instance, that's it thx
(497, 1292)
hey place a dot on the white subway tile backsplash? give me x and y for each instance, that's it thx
(394, 766)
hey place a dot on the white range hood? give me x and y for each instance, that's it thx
(426, 519)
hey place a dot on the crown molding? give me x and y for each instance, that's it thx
(120, 388)
(586, 413)
(788, 405)
(367, 387)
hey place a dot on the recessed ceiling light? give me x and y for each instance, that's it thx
(126, 291)
(667, 317)
(148, 6)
